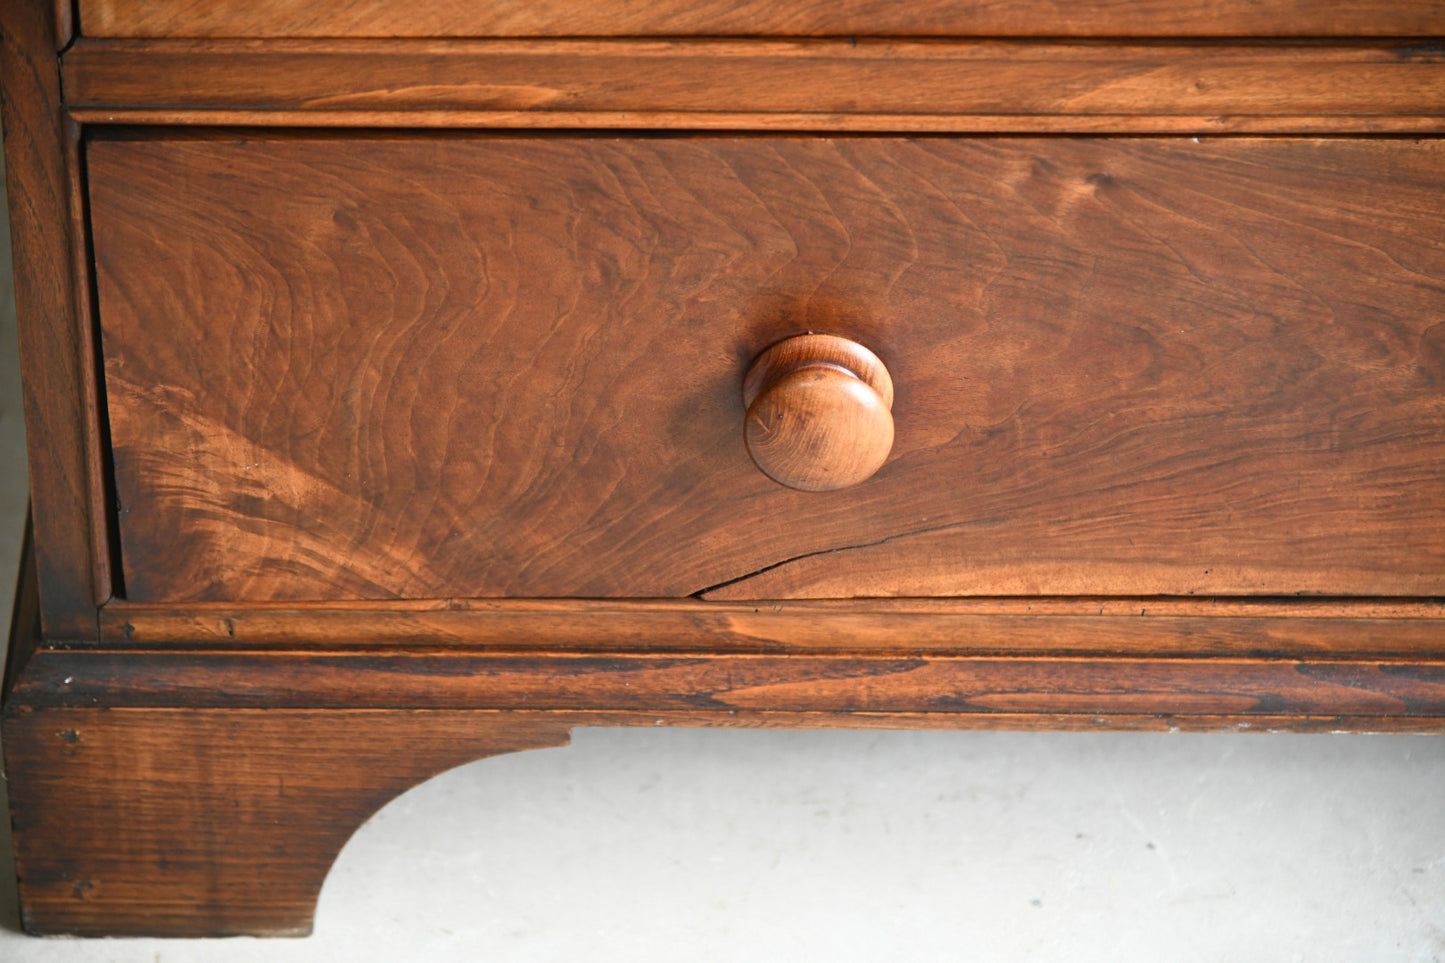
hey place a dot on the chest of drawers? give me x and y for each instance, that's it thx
(408, 386)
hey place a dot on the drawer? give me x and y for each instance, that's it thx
(465, 365)
(624, 18)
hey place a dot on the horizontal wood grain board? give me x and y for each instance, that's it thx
(760, 78)
(655, 683)
(1266, 628)
(487, 366)
(749, 719)
(451, 18)
(723, 121)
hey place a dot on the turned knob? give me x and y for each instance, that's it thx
(819, 412)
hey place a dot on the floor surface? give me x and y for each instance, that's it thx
(666, 845)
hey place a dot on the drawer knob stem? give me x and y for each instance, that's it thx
(819, 412)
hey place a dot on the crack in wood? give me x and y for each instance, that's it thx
(702, 593)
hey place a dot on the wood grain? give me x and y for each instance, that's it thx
(755, 81)
(1255, 628)
(135, 819)
(57, 363)
(24, 637)
(205, 823)
(818, 412)
(412, 430)
(117, 801)
(787, 123)
(482, 366)
(438, 679)
(461, 18)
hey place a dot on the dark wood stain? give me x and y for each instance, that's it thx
(1256, 628)
(429, 446)
(1091, 684)
(56, 362)
(198, 822)
(947, 18)
(488, 366)
(894, 84)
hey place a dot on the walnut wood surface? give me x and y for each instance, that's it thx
(203, 820)
(24, 637)
(412, 119)
(755, 82)
(487, 366)
(1393, 674)
(1257, 628)
(436, 371)
(818, 429)
(53, 316)
(1104, 18)
(818, 412)
(241, 678)
(809, 350)
(205, 823)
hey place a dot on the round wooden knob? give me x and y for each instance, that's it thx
(819, 412)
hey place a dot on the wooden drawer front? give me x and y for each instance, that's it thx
(480, 366)
(622, 18)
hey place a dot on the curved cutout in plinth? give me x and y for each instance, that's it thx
(215, 822)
